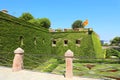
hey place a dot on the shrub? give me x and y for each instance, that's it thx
(48, 66)
(112, 52)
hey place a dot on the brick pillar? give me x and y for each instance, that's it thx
(18, 60)
(69, 66)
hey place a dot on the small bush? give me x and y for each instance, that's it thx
(48, 66)
(111, 61)
(112, 52)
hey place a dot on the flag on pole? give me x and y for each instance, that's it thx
(85, 23)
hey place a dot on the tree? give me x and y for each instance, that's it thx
(33, 21)
(44, 22)
(26, 16)
(115, 41)
(77, 24)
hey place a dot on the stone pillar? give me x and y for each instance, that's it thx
(69, 66)
(18, 60)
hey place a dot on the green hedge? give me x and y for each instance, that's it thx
(11, 29)
(97, 46)
(11, 32)
(112, 52)
(106, 61)
(89, 44)
(48, 66)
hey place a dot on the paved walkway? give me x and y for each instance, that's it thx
(7, 74)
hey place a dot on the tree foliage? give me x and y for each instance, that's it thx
(115, 41)
(33, 21)
(42, 22)
(77, 24)
(26, 16)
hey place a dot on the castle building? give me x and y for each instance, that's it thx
(84, 42)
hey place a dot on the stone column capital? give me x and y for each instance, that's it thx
(19, 50)
(69, 54)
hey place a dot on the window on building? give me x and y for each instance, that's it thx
(21, 41)
(78, 42)
(65, 42)
(35, 41)
(54, 43)
(43, 40)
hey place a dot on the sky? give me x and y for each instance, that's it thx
(103, 15)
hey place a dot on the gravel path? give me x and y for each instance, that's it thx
(7, 74)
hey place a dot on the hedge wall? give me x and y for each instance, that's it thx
(87, 49)
(97, 46)
(36, 41)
